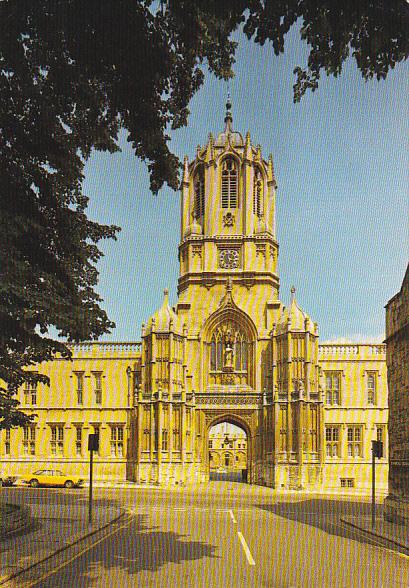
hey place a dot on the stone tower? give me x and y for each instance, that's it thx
(229, 351)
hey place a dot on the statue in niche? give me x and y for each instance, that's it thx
(228, 352)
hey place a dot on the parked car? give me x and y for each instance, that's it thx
(51, 478)
(7, 480)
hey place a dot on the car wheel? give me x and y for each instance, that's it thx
(34, 483)
(69, 484)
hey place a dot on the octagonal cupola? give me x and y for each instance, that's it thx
(164, 319)
(228, 188)
(293, 318)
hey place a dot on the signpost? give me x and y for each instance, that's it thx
(377, 451)
(93, 445)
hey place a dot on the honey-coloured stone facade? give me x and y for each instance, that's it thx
(229, 351)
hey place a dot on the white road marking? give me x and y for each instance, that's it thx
(232, 516)
(246, 549)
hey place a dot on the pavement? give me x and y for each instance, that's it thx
(54, 529)
(395, 533)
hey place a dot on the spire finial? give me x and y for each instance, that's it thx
(292, 293)
(228, 119)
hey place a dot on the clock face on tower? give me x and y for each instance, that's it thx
(228, 258)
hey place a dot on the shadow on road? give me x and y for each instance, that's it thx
(122, 558)
(325, 514)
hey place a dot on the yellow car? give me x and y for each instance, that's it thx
(52, 478)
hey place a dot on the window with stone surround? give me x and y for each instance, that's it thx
(117, 440)
(29, 440)
(371, 387)
(332, 387)
(78, 440)
(354, 439)
(79, 386)
(258, 193)
(57, 440)
(164, 439)
(199, 191)
(30, 393)
(381, 436)
(98, 387)
(229, 183)
(347, 482)
(332, 441)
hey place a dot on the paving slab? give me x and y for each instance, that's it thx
(54, 528)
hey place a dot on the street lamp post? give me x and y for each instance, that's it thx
(377, 451)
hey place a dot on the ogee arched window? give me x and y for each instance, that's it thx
(199, 191)
(229, 183)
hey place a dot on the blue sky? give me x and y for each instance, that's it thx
(341, 163)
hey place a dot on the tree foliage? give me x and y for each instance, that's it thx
(72, 73)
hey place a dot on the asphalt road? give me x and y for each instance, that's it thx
(225, 535)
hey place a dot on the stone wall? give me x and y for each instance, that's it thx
(397, 361)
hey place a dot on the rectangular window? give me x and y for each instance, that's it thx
(354, 441)
(57, 440)
(30, 392)
(98, 387)
(332, 441)
(117, 440)
(97, 431)
(347, 482)
(176, 439)
(29, 440)
(79, 386)
(380, 433)
(7, 444)
(210, 444)
(164, 439)
(78, 440)
(371, 387)
(332, 387)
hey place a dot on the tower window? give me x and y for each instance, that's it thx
(258, 193)
(229, 183)
(199, 189)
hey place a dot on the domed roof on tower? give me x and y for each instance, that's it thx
(294, 318)
(228, 135)
(165, 319)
